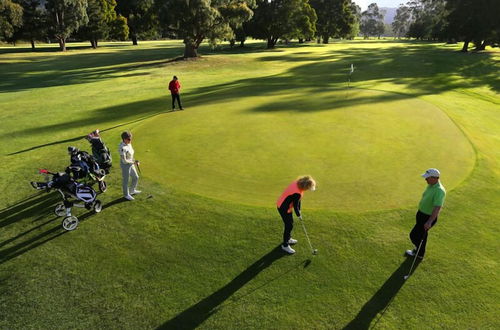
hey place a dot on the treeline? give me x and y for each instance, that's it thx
(470, 21)
(193, 21)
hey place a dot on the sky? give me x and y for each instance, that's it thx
(380, 3)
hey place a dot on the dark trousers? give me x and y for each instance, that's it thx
(288, 222)
(418, 232)
(178, 98)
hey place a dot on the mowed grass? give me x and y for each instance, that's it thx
(198, 247)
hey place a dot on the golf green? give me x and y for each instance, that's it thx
(366, 148)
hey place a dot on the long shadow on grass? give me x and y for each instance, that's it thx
(419, 69)
(36, 205)
(382, 299)
(31, 242)
(52, 70)
(146, 106)
(201, 311)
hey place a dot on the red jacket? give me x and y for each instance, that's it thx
(174, 86)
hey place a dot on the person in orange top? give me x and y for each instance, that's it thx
(290, 199)
(175, 86)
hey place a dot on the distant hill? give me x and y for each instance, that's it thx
(389, 14)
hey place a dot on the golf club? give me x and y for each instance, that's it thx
(415, 259)
(136, 162)
(314, 251)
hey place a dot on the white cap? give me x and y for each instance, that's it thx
(434, 172)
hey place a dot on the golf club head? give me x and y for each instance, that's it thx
(406, 277)
(307, 263)
(315, 252)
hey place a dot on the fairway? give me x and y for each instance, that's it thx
(199, 248)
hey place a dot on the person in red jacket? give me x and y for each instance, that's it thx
(290, 199)
(174, 86)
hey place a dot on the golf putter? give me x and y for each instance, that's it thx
(136, 162)
(415, 259)
(313, 250)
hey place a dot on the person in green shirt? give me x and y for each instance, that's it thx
(428, 210)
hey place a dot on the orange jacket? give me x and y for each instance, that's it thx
(290, 190)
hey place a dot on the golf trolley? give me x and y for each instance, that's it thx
(74, 194)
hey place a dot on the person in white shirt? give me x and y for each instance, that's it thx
(127, 163)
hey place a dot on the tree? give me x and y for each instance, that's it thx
(11, 17)
(305, 23)
(103, 21)
(141, 15)
(474, 21)
(401, 22)
(427, 19)
(275, 19)
(355, 26)
(65, 17)
(34, 21)
(336, 18)
(372, 22)
(119, 28)
(197, 20)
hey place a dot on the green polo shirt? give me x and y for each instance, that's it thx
(433, 196)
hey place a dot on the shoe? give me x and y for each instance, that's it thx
(292, 241)
(410, 253)
(128, 197)
(288, 249)
(135, 192)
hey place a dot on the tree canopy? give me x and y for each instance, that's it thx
(336, 18)
(65, 18)
(197, 20)
(372, 22)
(277, 19)
(11, 17)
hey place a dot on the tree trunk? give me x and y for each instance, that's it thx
(232, 42)
(481, 46)
(242, 43)
(134, 39)
(466, 46)
(301, 41)
(62, 44)
(32, 43)
(270, 43)
(326, 38)
(93, 43)
(190, 50)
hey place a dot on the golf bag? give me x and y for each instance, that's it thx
(73, 194)
(84, 167)
(100, 151)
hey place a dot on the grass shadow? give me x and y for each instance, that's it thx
(149, 105)
(420, 69)
(39, 239)
(381, 300)
(201, 311)
(39, 204)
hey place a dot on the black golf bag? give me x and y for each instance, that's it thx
(84, 167)
(100, 151)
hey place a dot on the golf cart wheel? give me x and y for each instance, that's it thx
(103, 186)
(60, 210)
(70, 223)
(97, 206)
